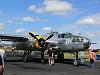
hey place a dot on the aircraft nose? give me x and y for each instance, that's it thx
(87, 43)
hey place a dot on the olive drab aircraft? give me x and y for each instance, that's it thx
(62, 42)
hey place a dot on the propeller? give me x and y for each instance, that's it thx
(49, 37)
(41, 41)
(33, 35)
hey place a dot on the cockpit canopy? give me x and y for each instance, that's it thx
(80, 39)
(65, 35)
(77, 39)
(73, 38)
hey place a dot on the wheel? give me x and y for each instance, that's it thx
(75, 62)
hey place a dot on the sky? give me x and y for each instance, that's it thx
(42, 16)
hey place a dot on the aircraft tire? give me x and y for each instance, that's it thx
(75, 62)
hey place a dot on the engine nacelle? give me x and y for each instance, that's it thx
(40, 43)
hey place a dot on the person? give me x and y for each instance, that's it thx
(82, 56)
(51, 59)
(2, 58)
(92, 58)
(13, 49)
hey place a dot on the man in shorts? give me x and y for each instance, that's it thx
(92, 58)
(51, 59)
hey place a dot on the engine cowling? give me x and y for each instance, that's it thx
(40, 43)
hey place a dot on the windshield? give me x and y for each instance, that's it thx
(76, 39)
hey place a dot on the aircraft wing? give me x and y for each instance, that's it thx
(12, 38)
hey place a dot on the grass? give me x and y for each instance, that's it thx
(71, 56)
(66, 55)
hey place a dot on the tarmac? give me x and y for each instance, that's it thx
(15, 66)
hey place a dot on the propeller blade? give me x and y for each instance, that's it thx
(49, 36)
(33, 35)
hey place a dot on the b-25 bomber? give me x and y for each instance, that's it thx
(61, 42)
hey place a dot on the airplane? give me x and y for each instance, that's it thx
(61, 42)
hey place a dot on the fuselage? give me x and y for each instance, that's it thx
(67, 42)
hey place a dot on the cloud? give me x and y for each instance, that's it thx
(90, 20)
(23, 32)
(20, 30)
(32, 8)
(59, 7)
(91, 34)
(10, 21)
(31, 19)
(2, 26)
(28, 19)
(47, 28)
(70, 26)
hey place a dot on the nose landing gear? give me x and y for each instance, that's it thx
(76, 61)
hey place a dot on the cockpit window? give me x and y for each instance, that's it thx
(73, 40)
(62, 35)
(59, 36)
(68, 35)
(76, 39)
(82, 39)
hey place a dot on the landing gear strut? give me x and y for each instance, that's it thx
(76, 61)
(42, 56)
(60, 57)
(26, 55)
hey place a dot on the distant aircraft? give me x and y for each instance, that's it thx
(62, 42)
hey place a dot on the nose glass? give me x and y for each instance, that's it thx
(87, 43)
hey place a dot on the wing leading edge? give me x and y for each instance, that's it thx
(13, 38)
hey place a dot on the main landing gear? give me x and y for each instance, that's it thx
(42, 56)
(27, 55)
(60, 57)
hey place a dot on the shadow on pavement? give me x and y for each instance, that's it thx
(38, 61)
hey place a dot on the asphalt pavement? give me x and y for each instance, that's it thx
(14, 66)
